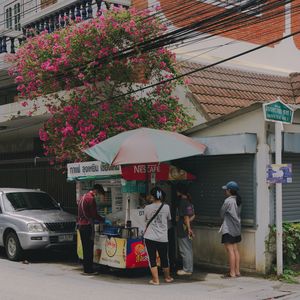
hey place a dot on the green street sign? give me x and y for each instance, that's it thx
(277, 111)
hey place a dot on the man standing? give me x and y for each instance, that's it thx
(184, 231)
(87, 213)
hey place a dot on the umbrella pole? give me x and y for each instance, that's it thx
(147, 180)
(128, 221)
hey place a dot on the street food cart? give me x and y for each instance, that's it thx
(118, 243)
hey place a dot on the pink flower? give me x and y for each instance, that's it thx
(81, 76)
(187, 80)
(68, 109)
(43, 135)
(130, 124)
(68, 130)
(104, 106)
(24, 103)
(94, 114)
(102, 135)
(162, 120)
(162, 107)
(162, 65)
(19, 79)
(93, 142)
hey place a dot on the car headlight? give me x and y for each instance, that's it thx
(35, 227)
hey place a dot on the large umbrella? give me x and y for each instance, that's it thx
(145, 145)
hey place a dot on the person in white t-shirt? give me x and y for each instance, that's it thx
(156, 235)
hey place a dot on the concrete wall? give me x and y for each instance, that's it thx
(252, 122)
(208, 249)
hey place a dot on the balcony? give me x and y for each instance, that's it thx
(53, 18)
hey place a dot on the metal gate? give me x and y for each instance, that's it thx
(43, 177)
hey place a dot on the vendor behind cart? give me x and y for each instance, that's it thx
(87, 213)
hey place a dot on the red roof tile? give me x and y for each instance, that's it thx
(219, 91)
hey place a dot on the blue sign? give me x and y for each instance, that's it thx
(279, 173)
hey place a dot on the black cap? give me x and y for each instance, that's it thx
(99, 188)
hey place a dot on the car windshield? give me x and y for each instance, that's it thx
(29, 200)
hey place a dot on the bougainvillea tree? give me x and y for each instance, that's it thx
(89, 61)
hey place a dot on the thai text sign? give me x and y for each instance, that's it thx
(278, 111)
(279, 173)
(92, 168)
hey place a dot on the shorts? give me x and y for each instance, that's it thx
(229, 239)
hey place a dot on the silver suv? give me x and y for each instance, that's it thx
(31, 219)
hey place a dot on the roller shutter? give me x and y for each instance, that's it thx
(212, 173)
(291, 191)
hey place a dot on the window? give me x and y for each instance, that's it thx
(17, 15)
(13, 16)
(17, 201)
(9, 18)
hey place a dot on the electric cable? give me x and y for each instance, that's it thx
(197, 32)
(207, 66)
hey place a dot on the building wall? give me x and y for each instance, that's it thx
(253, 254)
(252, 122)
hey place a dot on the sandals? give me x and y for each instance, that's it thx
(228, 275)
(167, 280)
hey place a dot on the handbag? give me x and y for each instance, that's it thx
(153, 217)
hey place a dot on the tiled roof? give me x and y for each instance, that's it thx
(218, 91)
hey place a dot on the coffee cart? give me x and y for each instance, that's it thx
(119, 242)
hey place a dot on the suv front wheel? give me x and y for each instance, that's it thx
(13, 248)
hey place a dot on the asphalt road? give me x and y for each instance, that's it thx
(49, 276)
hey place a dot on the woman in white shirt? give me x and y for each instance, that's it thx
(156, 235)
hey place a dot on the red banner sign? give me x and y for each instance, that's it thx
(161, 171)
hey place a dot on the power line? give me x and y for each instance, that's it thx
(148, 46)
(214, 27)
(207, 66)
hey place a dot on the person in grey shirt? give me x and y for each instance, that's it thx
(231, 227)
(156, 235)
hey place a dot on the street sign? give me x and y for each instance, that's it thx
(277, 111)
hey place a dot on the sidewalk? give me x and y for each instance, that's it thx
(209, 286)
(213, 286)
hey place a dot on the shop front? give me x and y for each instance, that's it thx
(240, 146)
(118, 243)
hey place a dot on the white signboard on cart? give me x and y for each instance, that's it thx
(92, 168)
